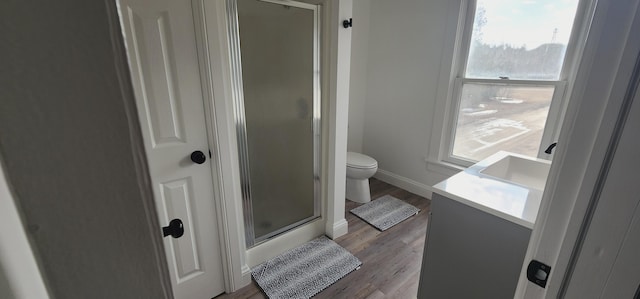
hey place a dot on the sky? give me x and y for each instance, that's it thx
(527, 22)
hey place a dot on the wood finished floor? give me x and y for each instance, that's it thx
(390, 260)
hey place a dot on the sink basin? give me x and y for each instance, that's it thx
(520, 170)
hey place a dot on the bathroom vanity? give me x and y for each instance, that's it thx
(479, 228)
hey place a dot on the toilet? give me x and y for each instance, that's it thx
(359, 169)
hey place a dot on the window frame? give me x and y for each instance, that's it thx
(562, 86)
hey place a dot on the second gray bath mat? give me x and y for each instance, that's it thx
(385, 212)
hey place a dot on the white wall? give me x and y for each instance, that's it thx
(358, 80)
(396, 66)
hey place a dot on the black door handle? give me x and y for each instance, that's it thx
(198, 157)
(175, 229)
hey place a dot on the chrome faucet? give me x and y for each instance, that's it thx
(550, 148)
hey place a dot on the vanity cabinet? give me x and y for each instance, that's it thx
(470, 253)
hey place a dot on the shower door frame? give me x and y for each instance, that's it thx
(240, 120)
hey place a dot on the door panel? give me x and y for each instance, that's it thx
(177, 197)
(280, 79)
(161, 45)
(158, 85)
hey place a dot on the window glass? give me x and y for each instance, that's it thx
(494, 117)
(520, 39)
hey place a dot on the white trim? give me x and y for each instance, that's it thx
(223, 148)
(292, 4)
(451, 115)
(246, 274)
(509, 82)
(448, 72)
(557, 100)
(443, 132)
(17, 260)
(467, 30)
(554, 120)
(404, 183)
(575, 50)
(340, 228)
(335, 77)
(444, 168)
(229, 242)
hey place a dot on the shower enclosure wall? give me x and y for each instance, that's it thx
(275, 45)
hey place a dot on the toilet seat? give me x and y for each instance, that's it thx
(360, 161)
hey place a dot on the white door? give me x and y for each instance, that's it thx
(608, 265)
(624, 281)
(161, 45)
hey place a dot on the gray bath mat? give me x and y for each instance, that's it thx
(305, 270)
(385, 212)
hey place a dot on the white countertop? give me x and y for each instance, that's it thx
(513, 202)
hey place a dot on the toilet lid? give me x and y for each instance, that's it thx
(357, 160)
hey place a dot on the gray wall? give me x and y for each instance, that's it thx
(69, 154)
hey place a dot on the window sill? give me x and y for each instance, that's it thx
(444, 168)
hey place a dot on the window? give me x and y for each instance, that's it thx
(512, 75)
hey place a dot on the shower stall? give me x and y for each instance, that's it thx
(276, 64)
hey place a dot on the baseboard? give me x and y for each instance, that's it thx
(339, 229)
(246, 277)
(404, 183)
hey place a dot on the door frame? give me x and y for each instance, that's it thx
(335, 63)
(212, 54)
(241, 121)
(234, 268)
(212, 43)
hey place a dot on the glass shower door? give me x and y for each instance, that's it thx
(280, 69)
